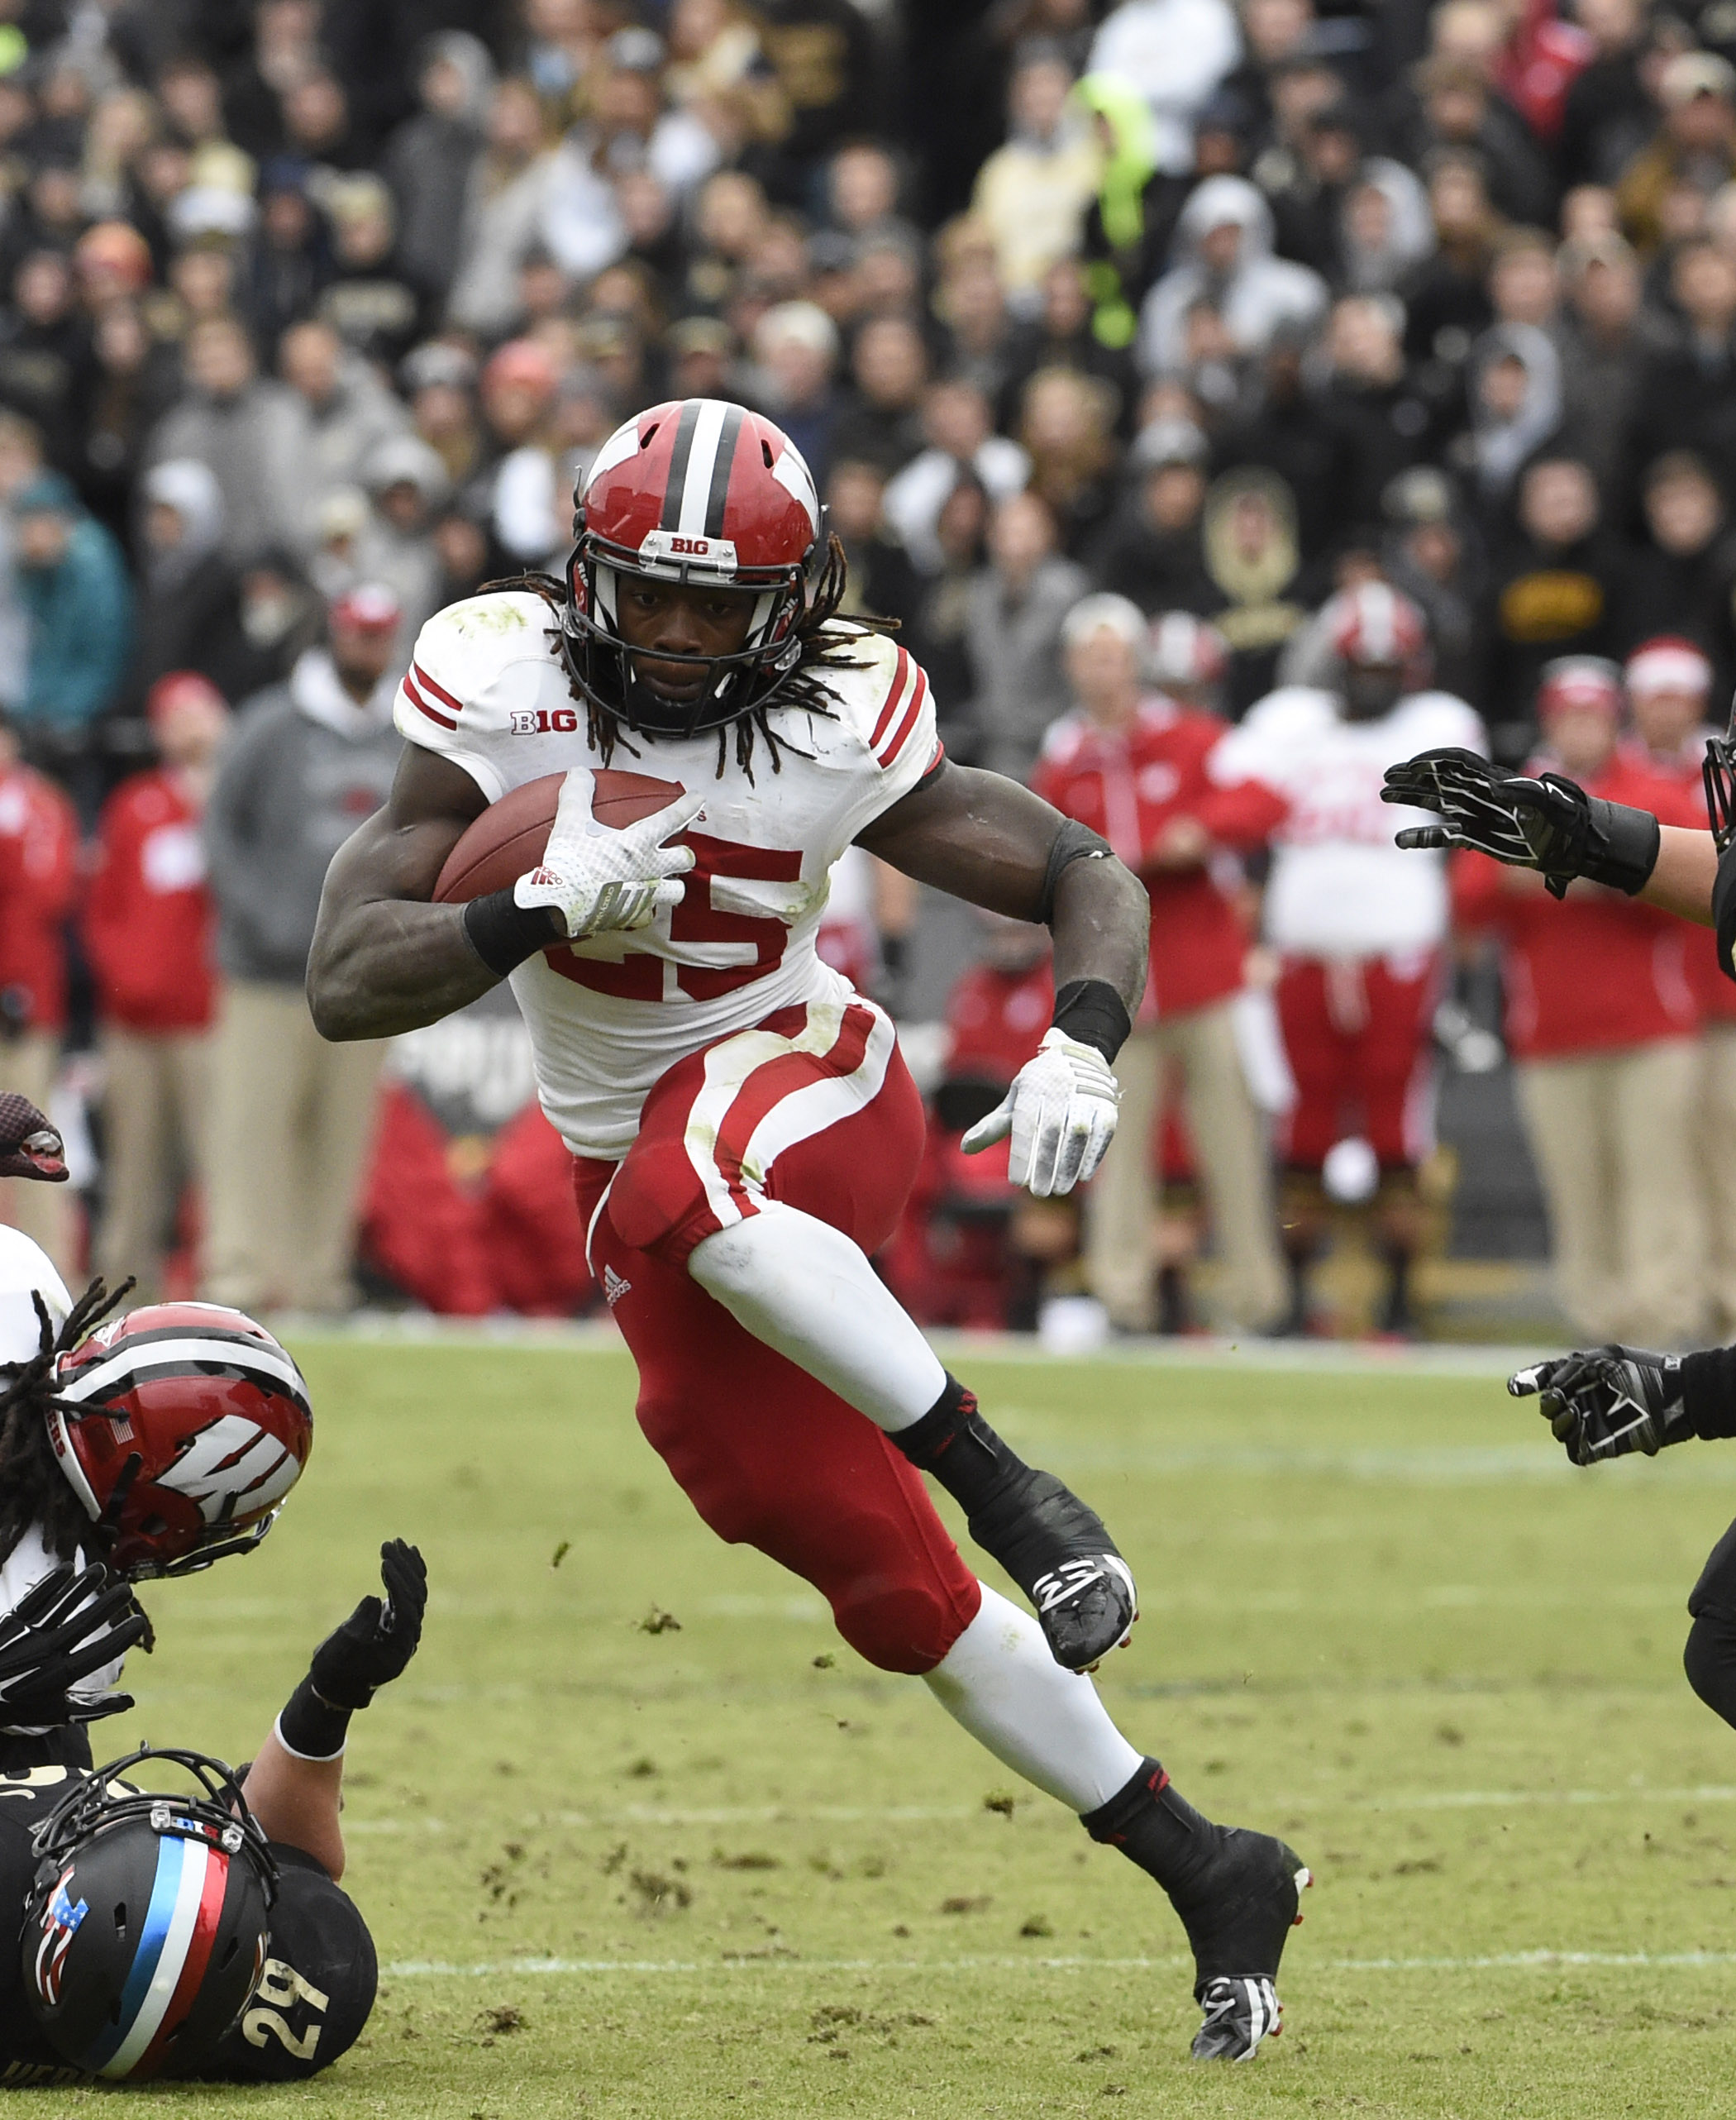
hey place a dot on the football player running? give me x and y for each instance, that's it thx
(244, 1960)
(1606, 1402)
(744, 1130)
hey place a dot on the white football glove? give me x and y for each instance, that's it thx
(1060, 1110)
(600, 881)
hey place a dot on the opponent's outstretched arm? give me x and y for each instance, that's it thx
(293, 1786)
(985, 839)
(1549, 823)
(1687, 869)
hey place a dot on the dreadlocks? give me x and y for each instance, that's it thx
(33, 1489)
(825, 644)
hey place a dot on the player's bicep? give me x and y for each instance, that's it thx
(973, 833)
(399, 851)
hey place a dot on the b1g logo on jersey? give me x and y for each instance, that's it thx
(545, 721)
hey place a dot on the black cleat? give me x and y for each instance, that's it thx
(1058, 1553)
(1239, 1908)
(1239, 2014)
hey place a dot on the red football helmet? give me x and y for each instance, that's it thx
(182, 1426)
(1187, 656)
(1380, 639)
(1580, 681)
(702, 492)
(1373, 626)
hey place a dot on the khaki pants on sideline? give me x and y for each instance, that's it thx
(155, 1102)
(1229, 1139)
(44, 1212)
(1714, 1148)
(291, 1117)
(1614, 1137)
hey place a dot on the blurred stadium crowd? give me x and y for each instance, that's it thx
(1132, 346)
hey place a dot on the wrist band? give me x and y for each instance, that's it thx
(1621, 846)
(503, 933)
(310, 1727)
(1092, 1011)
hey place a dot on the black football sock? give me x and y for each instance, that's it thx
(1235, 1891)
(1156, 1827)
(1054, 1547)
(310, 1726)
(955, 1443)
(1016, 1512)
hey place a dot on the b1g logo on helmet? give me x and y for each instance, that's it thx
(684, 549)
(60, 1920)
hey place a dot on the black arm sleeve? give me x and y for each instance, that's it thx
(1073, 843)
(1724, 910)
(1708, 1390)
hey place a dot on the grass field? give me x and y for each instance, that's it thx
(727, 1868)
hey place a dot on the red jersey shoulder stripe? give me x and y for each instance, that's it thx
(890, 750)
(900, 681)
(439, 691)
(416, 699)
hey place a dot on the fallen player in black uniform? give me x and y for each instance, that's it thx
(199, 1936)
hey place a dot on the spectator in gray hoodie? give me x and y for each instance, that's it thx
(428, 162)
(291, 1115)
(341, 413)
(244, 429)
(1013, 625)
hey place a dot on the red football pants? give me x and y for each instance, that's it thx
(1357, 1031)
(813, 1108)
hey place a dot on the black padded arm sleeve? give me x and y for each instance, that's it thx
(1073, 843)
(1709, 1391)
(1724, 910)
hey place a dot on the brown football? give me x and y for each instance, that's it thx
(509, 837)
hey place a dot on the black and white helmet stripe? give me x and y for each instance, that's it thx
(174, 1351)
(699, 467)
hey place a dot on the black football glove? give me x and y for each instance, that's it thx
(30, 1142)
(1607, 1401)
(1549, 823)
(72, 1623)
(377, 1640)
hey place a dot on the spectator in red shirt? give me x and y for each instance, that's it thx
(1669, 682)
(990, 1253)
(1603, 1022)
(39, 856)
(148, 934)
(1131, 763)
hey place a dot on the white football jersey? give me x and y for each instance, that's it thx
(1340, 887)
(609, 1016)
(26, 1268)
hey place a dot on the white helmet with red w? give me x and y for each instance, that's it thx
(703, 493)
(181, 1427)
